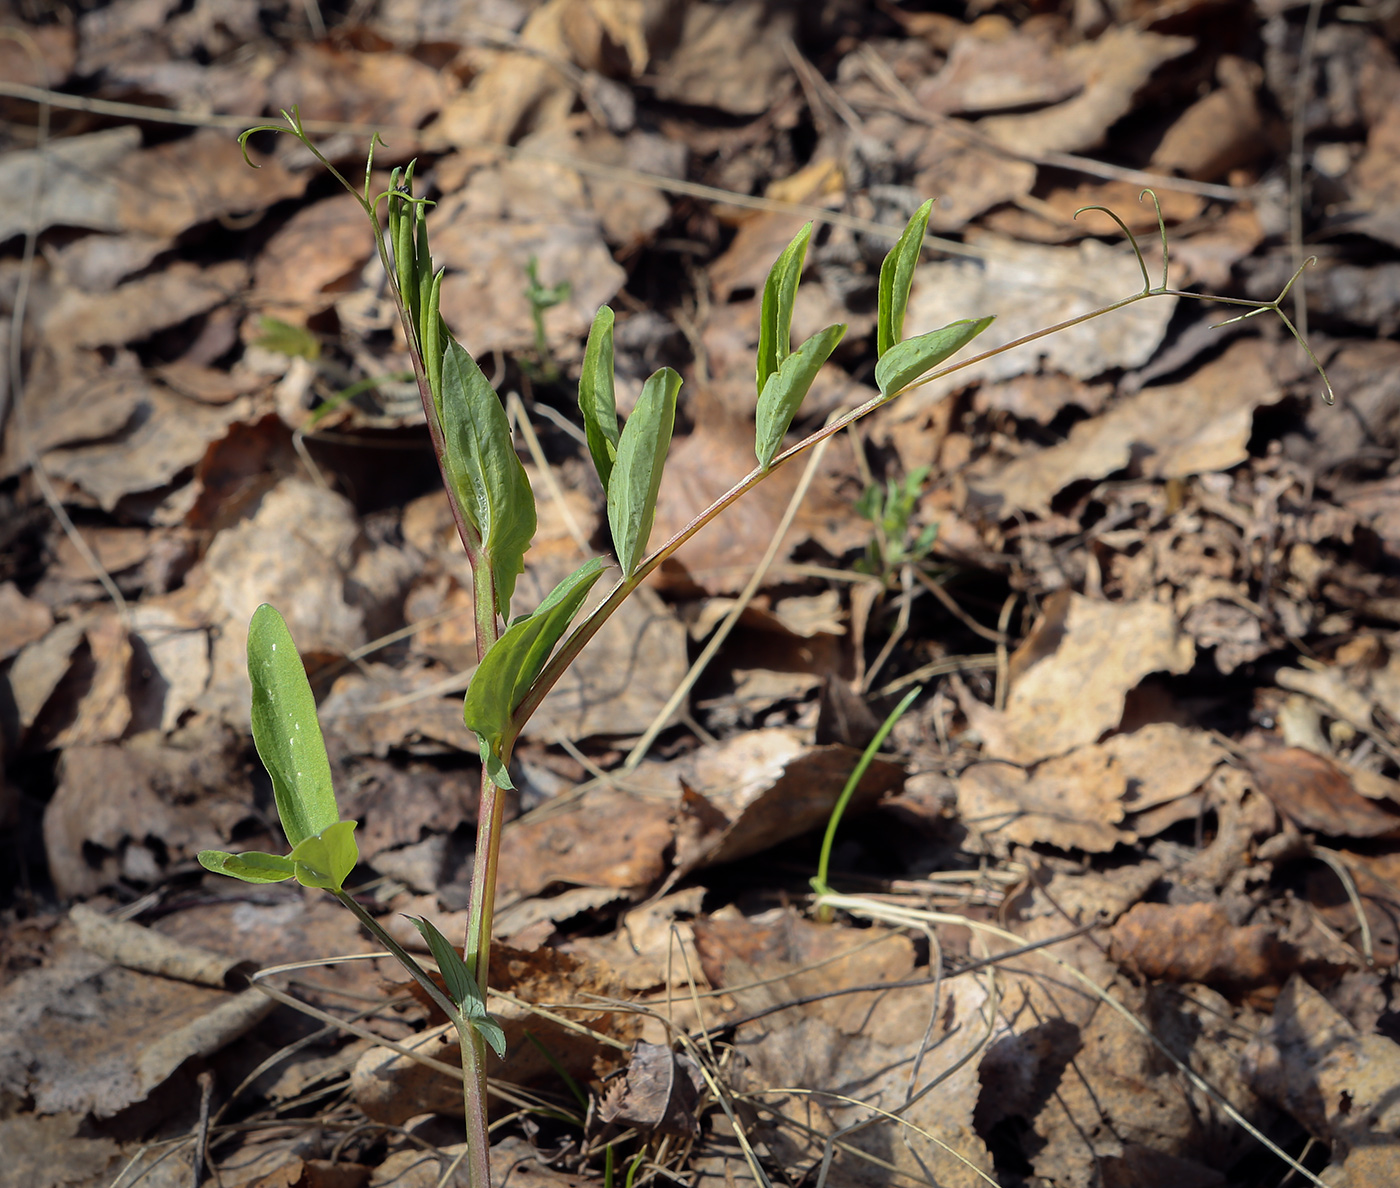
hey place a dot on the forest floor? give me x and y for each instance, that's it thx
(1123, 888)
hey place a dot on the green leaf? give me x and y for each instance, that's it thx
(512, 663)
(327, 859)
(636, 476)
(596, 399)
(896, 276)
(484, 468)
(782, 395)
(491, 1032)
(285, 729)
(906, 361)
(779, 294)
(286, 339)
(461, 986)
(252, 866)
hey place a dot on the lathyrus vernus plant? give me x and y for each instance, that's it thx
(494, 510)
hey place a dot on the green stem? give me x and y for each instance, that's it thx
(473, 1047)
(819, 884)
(568, 651)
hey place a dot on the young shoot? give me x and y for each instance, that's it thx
(493, 506)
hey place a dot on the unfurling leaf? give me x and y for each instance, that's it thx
(490, 482)
(896, 277)
(512, 663)
(783, 393)
(285, 729)
(327, 859)
(596, 398)
(636, 476)
(252, 866)
(906, 361)
(775, 317)
(461, 986)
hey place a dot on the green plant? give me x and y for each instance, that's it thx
(543, 297)
(494, 510)
(889, 509)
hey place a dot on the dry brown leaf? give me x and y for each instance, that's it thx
(761, 788)
(513, 91)
(658, 1094)
(487, 233)
(83, 1035)
(1163, 762)
(104, 710)
(296, 552)
(608, 839)
(393, 1088)
(1317, 795)
(387, 89)
(37, 55)
(22, 620)
(379, 709)
(721, 557)
(855, 1044)
(730, 56)
(1071, 676)
(166, 436)
(322, 244)
(1074, 802)
(132, 811)
(965, 178)
(136, 310)
(1219, 132)
(1028, 288)
(993, 66)
(1196, 942)
(1112, 69)
(1120, 1105)
(1200, 425)
(1312, 1063)
(39, 667)
(1374, 876)
(50, 1148)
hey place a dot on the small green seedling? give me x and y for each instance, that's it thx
(889, 509)
(543, 297)
(493, 507)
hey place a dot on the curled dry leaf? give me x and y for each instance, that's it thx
(1316, 795)
(1074, 802)
(1071, 676)
(1111, 69)
(761, 788)
(83, 1035)
(1200, 425)
(1196, 942)
(1339, 1084)
(22, 620)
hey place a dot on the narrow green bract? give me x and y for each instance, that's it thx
(492, 488)
(896, 277)
(285, 729)
(785, 390)
(596, 398)
(513, 662)
(779, 294)
(636, 476)
(461, 986)
(906, 361)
